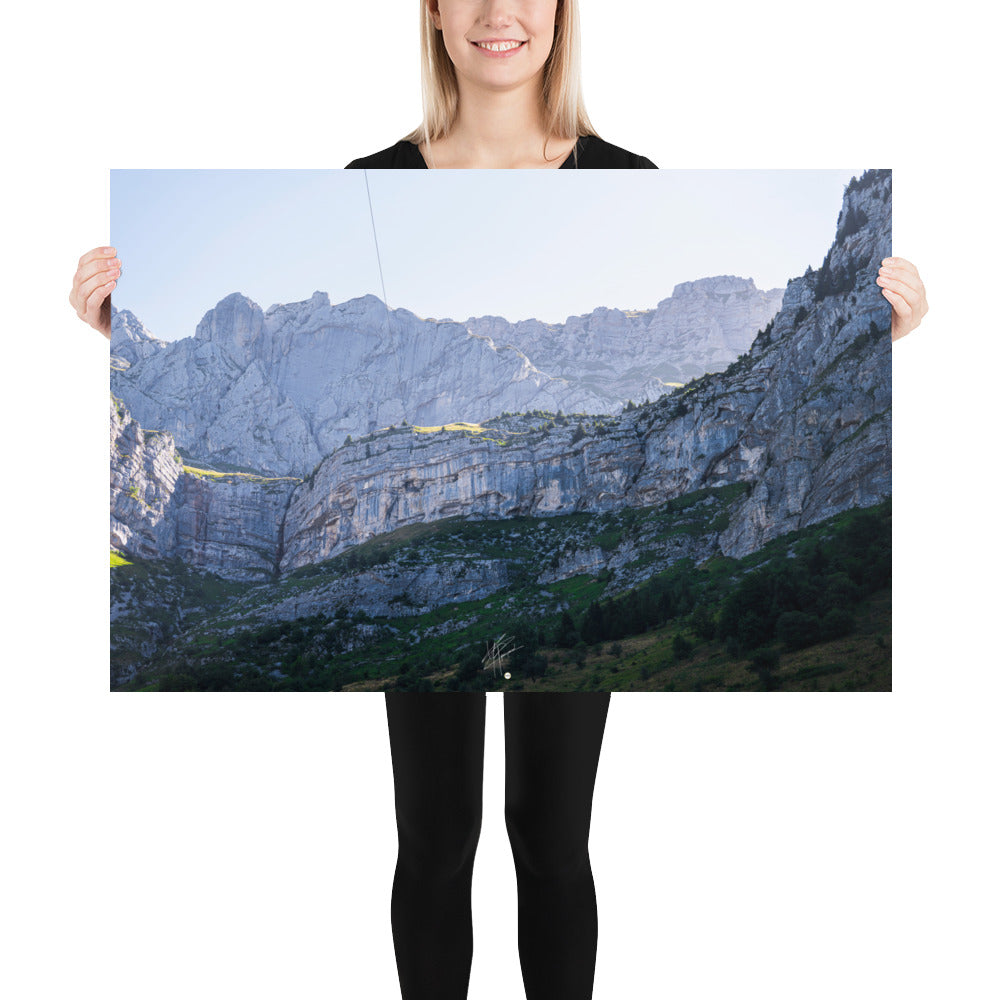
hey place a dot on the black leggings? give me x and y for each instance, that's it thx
(553, 742)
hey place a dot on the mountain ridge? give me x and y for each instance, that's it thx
(278, 390)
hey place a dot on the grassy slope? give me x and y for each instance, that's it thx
(223, 646)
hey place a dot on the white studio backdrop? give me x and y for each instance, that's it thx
(243, 846)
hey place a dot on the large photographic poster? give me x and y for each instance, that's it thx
(501, 430)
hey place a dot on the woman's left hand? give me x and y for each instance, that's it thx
(902, 286)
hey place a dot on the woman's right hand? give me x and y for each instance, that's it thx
(96, 275)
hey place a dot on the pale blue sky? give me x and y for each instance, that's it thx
(515, 243)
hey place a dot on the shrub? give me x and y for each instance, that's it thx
(703, 622)
(836, 623)
(797, 630)
(535, 666)
(764, 663)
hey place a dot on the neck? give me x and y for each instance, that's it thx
(498, 129)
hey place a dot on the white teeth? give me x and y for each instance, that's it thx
(499, 46)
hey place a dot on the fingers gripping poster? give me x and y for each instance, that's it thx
(500, 430)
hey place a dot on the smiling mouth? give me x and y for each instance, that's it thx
(499, 46)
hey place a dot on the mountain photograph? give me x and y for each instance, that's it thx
(688, 495)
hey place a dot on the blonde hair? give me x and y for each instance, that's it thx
(565, 115)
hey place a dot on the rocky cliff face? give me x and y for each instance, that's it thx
(145, 468)
(809, 420)
(274, 392)
(510, 467)
(131, 342)
(803, 419)
(702, 327)
(392, 589)
(227, 523)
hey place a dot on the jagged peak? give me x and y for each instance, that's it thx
(318, 300)
(130, 334)
(235, 298)
(366, 301)
(236, 317)
(715, 284)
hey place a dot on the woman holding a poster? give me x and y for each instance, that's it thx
(501, 86)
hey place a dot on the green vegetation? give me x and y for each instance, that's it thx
(810, 610)
(853, 221)
(458, 426)
(151, 602)
(215, 466)
(229, 477)
(866, 180)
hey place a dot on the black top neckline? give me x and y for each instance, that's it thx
(590, 151)
(581, 141)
